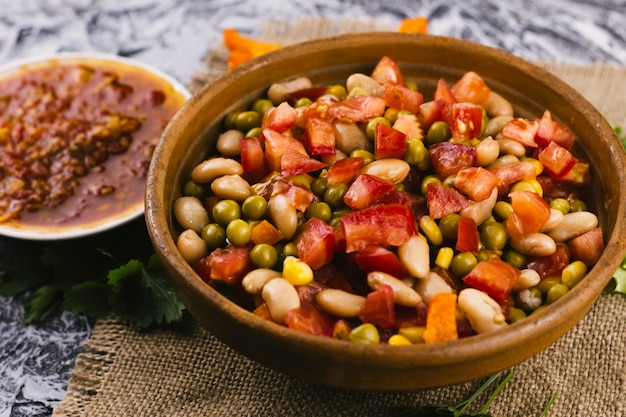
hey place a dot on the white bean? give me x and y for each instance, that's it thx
(528, 278)
(278, 92)
(511, 147)
(190, 213)
(206, 171)
(283, 214)
(556, 217)
(503, 161)
(280, 297)
(254, 281)
(389, 169)
(415, 256)
(573, 225)
(402, 294)
(487, 151)
(191, 246)
(432, 285)
(534, 244)
(365, 82)
(496, 105)
(349, 137)
(231, 187)
(480, 211)
(229, 143)
(340, 303)
(495, 125)
(483, 312)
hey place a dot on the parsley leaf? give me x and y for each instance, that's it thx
(619, 278)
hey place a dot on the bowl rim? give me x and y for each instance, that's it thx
(20, 231)
(447, 353)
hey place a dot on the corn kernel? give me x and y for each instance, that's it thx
(444, 257)
(414, 334)
(365, 333)
(538, 164)
(297, 272)
(431, 230)
(398, 340)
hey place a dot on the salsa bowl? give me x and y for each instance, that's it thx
(191, 138)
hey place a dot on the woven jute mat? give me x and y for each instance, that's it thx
(182, 370)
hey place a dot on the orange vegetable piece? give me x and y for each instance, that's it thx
(243, 49)
(441, 319)
(263, 311)
(414, 25)
(265, 232)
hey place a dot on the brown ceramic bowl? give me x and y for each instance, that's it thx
(192, 134)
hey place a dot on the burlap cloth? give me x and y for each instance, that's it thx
(182, 370)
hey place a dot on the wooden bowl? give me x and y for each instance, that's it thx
(425, 59)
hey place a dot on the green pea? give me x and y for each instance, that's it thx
(573, 273)
(370, 127)
(415, 151)
(319, 187)
(225, 211)
(577, 205)
(261, 105)
(438, 132)
(560, 204)
(214, 235)
(516, 314)
(254, 207)
(193, 189)
(462, 263)
(391, 114)
(494, 235)
(338, 91)
(229, 120)
(516, 259)
(362, 153)
(264, 256)
(503, 210)
(255, 132)
(449, 225)
(290, 249)
(358, 91)
(238, 232)
(427, 180)
(485, 254)
(319, 209)
(400, 186)
(335, 222)
(548, 282)
(365, 333)
(334, 194)
(301, 180)
(302, 102)
(555, 292)
(411, 85)
(247, 120)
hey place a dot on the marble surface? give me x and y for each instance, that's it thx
(175, 36)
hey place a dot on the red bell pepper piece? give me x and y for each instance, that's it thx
(493, 276)
(316, 243)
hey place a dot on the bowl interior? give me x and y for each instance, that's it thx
(191, 136)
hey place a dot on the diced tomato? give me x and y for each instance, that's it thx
(308, 318)
(471, 88)
(341, 330)
(587, 247)
(411, 316)
(379, 258)
(387, 225)
(441, 322)
(320, 137)
(387, 71)
(331, 276)
(443, 93)
(357, 108)
(275, 146)
(512, 173)
(556, 160)
(366, 190)
(252, 159)
(530, 213)
(430, 112)
(203, 270)
(378, 308)
(551, 264)
(409, 125)
(578, 176)
(265, 232)
(340, 239)
(403, 98)
(444, 200)
(316, 243)
(552, 131)
(521, 130)
(476, 182)
(280, 118)
(293, 163)
(467, 235)
(230, 264)
(465, 120)
(388, 142)
(448, 158)
(417, 203)
(556, 187)
(344, 170)
(493, 276)
(298, 196)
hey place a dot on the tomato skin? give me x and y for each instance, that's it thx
(308, 318)
(465, 120)
(388, 225)
(493, 276)
(252, 159)
(344, 170)
(521, 130)
(430, 112)
(476, 182)
(443, 93)
(230, 264)
(587, 247)
(320, 137)
(467, 235)
(530, 213)
(366, 190)
(379, 258)
(551, 264)
(443, 200)
(471, 88)
(556, 160)
(298, 196)
(275, 146)
(280, 118)
(359, 108)
(388, 142)
(416, 203)
(552, 131)
(378, 308)
(316, 243)
(387, 71)
(293, 162)
(448, 158)
(512, 173)
(402, 98)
